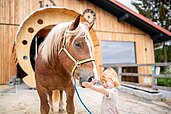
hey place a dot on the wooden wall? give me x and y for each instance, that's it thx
(7, 66)
(12, 12)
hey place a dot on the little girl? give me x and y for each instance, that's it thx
(110, 82)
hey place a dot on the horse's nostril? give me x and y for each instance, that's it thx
(90, 79)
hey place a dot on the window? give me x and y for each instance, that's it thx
(118, 52)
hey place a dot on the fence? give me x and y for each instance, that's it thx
(154, 73)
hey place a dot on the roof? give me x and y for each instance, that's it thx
(123, 13)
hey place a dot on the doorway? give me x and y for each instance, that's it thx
(37, 40)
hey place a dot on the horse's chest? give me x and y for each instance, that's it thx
(56, 82)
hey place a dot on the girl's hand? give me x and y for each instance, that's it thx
(94, 81)
(87, 84)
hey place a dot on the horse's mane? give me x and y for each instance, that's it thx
(52, 41)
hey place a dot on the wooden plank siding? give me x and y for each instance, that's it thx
(107, 27)
(7, 67)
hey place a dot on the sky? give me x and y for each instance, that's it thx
(128, 4)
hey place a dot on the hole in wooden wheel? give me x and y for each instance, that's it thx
(31, 30)
(40, 21)
(24, 42)
(25, 57)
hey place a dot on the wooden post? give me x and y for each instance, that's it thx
(153, 79)
(119, 72)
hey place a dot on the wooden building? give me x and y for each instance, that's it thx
(22, 21)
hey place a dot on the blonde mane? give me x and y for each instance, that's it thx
(53, 39)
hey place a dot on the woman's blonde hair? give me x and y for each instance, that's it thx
(110, 74)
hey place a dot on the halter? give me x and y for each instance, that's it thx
(77, 63)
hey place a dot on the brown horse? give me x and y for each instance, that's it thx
(66, 52)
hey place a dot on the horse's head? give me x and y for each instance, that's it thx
(76, 52)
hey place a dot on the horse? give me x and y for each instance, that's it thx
(66, 54)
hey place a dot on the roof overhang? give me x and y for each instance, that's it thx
(157, 33)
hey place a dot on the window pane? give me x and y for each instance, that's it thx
(118, 52)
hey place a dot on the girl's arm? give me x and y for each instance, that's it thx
(96, 88)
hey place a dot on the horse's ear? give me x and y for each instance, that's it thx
(75, 23)
(89, 26)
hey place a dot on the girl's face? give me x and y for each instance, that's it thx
(107, 84)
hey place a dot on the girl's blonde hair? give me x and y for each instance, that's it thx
(110, 74)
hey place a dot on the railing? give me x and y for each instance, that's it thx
(153, 72)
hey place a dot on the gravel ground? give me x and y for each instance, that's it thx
(22, 100)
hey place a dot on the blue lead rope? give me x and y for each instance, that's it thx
(81, 100)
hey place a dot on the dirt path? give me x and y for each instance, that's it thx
(26, 101)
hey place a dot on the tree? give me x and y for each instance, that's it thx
(159, 11)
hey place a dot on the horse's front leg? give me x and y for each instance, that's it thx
(44, 107)
(70, 100)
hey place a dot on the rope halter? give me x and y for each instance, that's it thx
(77, 63)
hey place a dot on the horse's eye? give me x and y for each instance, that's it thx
(78, 45)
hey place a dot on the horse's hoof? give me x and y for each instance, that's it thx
(61, 110)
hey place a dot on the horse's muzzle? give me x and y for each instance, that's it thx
(89, 79)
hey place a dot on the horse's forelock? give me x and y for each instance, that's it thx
(81, 31)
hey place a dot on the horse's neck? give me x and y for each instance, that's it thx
(52, 62)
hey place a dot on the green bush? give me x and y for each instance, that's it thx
(164, 82)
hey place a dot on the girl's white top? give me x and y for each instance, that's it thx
(109, 104)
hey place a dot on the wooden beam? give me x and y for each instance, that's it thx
(123, 17)
(135, 65)
(134, 74)
(162, 76)
(157, 36)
